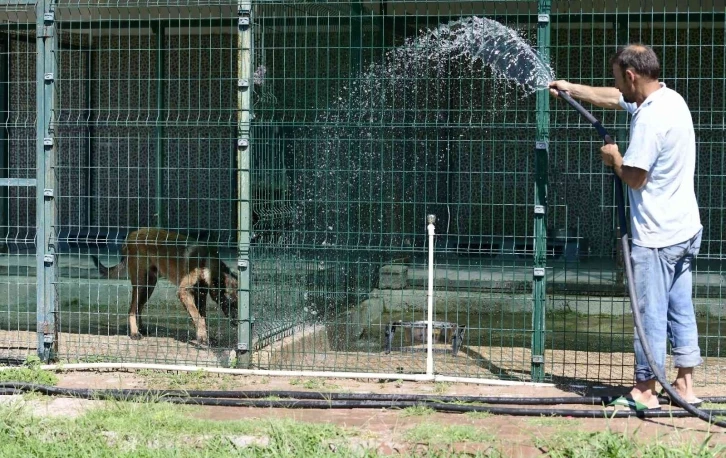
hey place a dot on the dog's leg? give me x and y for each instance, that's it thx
(133, 308)
(200, 298)
(139, 296)
(148, 290)
(186, 296)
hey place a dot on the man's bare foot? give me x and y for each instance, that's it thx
(684, 386)
(645, 394)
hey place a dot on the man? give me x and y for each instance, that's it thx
(658, 168)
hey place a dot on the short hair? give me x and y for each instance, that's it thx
(639, 58)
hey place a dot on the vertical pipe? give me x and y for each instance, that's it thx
(4, 137)
(160, 30)
(244, 107)
(46, 144)
(540, 200)
(88, 54)
(430, 219)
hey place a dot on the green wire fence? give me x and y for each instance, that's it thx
(304, 144)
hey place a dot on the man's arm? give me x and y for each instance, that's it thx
(603, 97)
(634, 177)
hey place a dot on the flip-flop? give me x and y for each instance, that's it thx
(632, 404)
(695, 403)
(663, 395)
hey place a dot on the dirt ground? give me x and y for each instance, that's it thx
(385, 429)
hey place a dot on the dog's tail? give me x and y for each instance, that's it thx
(116, 271)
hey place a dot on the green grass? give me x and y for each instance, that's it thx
(197, 380)
(478, 415)
(450, 452)
(161, 430)
(315, 384)
(158, 430)
(437, 434)
(606, 444)
(441, 387)
(713, 405)
(417, 411)
(30, 372)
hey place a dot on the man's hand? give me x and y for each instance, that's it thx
(561, 85)
(603, 97)
(611, 155)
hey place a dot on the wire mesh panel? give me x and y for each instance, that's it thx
(17, 178)
(377, 135)
(146, 174)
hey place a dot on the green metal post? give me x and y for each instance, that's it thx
(4, 137)
(244, 108)
(159, 31)
(45, 78)
(540, 200)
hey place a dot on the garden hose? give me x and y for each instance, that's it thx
(622, 223)
(312, 400)
(316, 395)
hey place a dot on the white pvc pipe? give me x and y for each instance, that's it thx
(429, 327)
(271, 373)
(484, 381)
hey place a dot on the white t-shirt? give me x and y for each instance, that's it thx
(662, 142)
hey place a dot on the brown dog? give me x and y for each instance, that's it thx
(196, 270)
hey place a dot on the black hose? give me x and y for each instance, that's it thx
(620, 201)
(320, 396)
(126, 395)
(21, 387)
(307, 395)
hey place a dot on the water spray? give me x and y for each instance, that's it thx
(623, 229)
